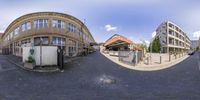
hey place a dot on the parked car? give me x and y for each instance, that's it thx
(190, 52)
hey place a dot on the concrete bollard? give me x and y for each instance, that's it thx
(136, 56)
(169, 57)
(147, 60)
(160, 59)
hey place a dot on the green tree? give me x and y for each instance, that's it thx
(155, 45)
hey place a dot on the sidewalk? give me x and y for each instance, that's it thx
(144, 67)
(18, 62)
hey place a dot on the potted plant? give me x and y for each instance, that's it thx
(30, 63)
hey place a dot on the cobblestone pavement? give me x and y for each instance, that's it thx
(96, 78)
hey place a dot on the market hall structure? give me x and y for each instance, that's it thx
(119, 43)
(54, 29)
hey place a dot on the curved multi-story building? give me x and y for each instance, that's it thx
(47, 28)
(172, 38)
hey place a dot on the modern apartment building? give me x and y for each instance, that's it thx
(172, 38)
(46, 29)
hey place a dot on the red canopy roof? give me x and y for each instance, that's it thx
(116, 38)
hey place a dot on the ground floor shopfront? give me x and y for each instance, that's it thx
(72, 47)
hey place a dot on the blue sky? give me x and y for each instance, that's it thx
(135, 19)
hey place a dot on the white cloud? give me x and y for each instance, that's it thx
(109, 28)
(147, 42)
(153, 34)
(196, 35)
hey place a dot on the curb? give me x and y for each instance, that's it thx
(160, 67)
(148, 68)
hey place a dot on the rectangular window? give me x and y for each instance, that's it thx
(45, 40)
(58, 24)
(41, 41)
(63, 24)
(45, 23)
(11, 35)
(41, 23)
(81, 33)
(16, 31)
(72, 28)
(69, 27)
(54, 23)
(58, 41)
(36, 23)
(23, 27)
(26, 26)
(72, 47)
(37, 41)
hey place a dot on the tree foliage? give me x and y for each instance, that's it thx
(155, 44)
(144, 46)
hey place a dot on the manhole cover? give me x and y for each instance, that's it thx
(105, 79)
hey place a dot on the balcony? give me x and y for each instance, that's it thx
(171, 25)
(171, 32)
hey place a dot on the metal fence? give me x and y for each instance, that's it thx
(130, 57)
(114, 53)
